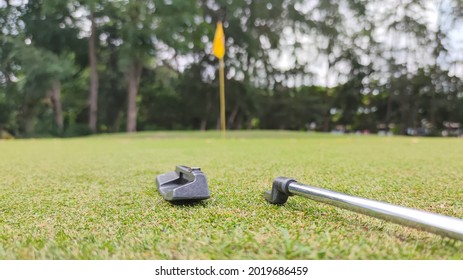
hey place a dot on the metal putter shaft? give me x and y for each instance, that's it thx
(439, 224)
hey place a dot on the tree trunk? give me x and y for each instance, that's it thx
(134, 79)
(117, 122)
(433, 110)
(203, 125)
(389, 110)
(327, 115)
(93, 98)
(29, 124)
(232, 117)
(28, 119)
(217, 126)
(55, 96)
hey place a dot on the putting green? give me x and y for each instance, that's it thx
(95, 197)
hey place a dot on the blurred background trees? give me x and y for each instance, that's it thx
(76, 67)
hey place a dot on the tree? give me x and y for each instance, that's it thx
(337, 34)
(51, 33)
(80, 66)
(135, 19)
(93, 61)
(252, 31)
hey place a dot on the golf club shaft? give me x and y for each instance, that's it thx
(435, 223)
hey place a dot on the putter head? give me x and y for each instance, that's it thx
(279, 193)
(183, 184)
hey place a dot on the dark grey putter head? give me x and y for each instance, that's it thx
(183, 184)
(279, 193)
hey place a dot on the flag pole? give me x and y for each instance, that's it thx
(222, 96)
(218, 49)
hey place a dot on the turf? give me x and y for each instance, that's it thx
(95, 197)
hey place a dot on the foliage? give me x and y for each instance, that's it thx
(296, 64)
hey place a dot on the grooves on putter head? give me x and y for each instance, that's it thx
(183, 184)
(435, 223)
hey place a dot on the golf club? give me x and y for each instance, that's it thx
(183, 184)
(284, 187)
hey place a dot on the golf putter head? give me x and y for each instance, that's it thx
(279, 193)
(183, 184)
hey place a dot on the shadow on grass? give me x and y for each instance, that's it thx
(188, 203)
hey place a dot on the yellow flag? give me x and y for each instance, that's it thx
(218, 47)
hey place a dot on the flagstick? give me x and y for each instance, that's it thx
(222, 96)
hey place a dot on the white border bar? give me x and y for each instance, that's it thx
(323, 270)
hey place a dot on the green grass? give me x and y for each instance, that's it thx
(95, 198)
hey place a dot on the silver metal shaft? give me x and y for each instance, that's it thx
(435, 223)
